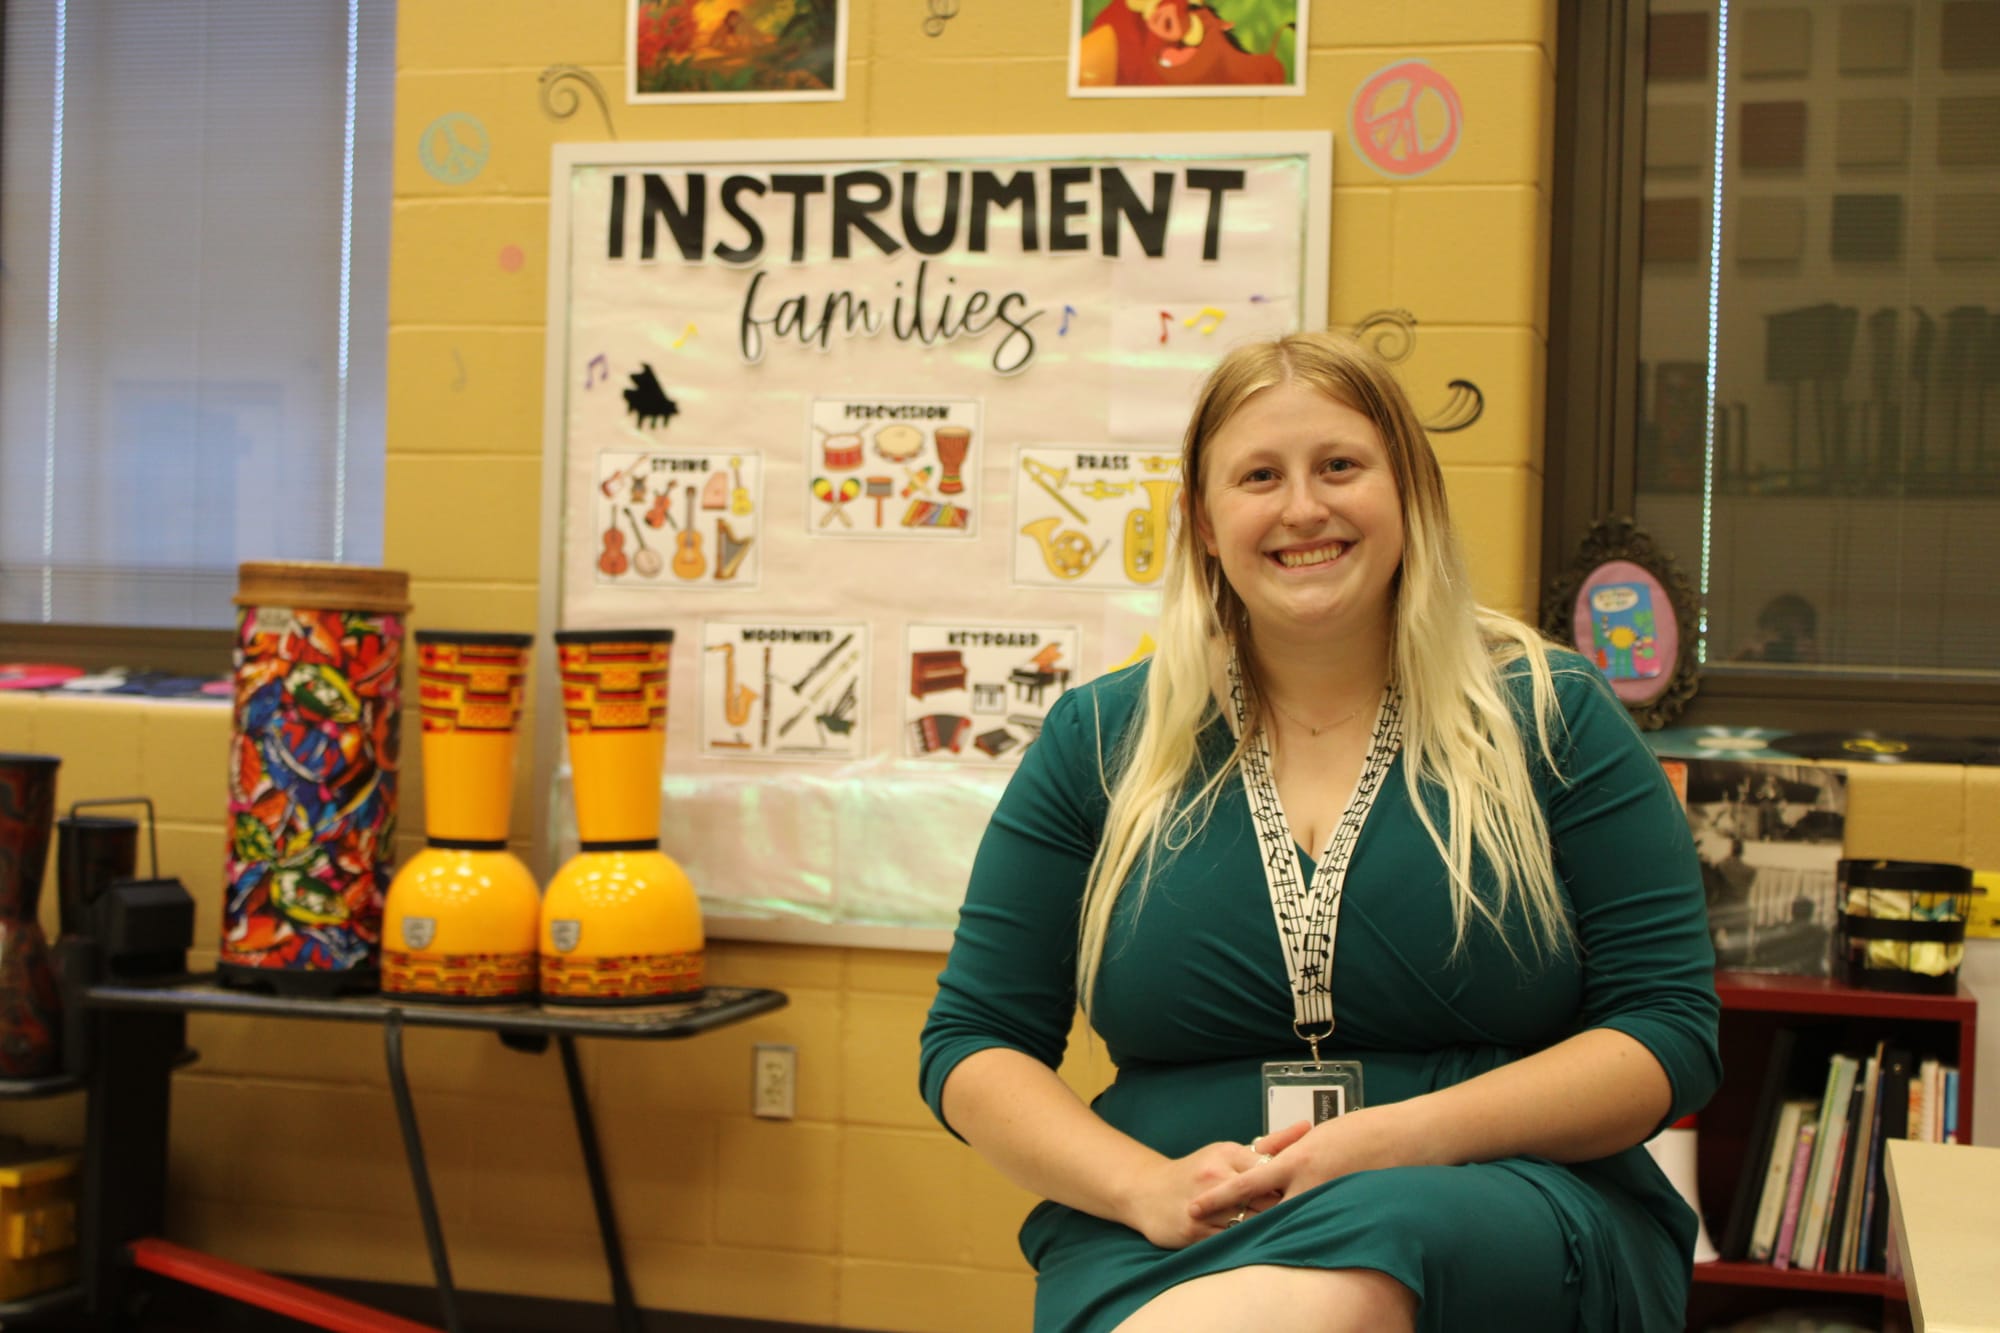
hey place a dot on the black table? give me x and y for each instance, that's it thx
(138, 1033)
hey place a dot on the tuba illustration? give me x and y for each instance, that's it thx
(1067, 554)
(736, 699)
(1145, 545)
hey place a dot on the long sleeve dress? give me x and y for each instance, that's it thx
(1193, 998)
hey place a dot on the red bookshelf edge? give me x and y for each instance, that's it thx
(1725, 1274)
(1775, 993)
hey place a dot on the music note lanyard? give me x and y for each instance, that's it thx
(1308, 915)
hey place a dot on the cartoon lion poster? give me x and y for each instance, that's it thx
(735, 50)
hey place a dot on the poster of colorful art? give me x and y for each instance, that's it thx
(978, 693)
(735, 50)
(893, 467)
(677, 520)
(1094, 516)
(794, 690)
(1180, 48)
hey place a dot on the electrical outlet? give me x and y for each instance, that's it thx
(774, 1081)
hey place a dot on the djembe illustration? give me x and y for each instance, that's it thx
(620, 921)
(462, 915)
(953, 443)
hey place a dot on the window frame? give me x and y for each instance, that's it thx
(100, 646)
(1591, 434)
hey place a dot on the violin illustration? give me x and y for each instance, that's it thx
(739, 499)
(612, 560)
(689, 563)
(646, 562)
(659, 516)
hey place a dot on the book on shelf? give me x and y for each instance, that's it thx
(1948, 1113)
(1779, 1073)
(1795, 1193)
(1923, 1101)
(1827, 1149)
(1844, 1245)
(1892, 1122)
(1792, 1115)
(1826, 1239)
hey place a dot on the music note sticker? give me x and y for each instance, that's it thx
(1166, 318)
(597, 368)
(1068, 310)
(686, 333)
(1206, 313)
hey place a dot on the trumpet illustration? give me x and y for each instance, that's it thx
(736, 699)
(1067, 554)
(1145, 545)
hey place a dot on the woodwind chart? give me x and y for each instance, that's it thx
(887, 432)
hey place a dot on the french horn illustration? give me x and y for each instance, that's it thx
(1067, 554)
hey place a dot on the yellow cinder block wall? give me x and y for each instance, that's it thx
(861, 1212)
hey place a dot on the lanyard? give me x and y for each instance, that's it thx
(1308, 915)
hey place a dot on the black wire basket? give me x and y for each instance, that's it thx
(1902, 924)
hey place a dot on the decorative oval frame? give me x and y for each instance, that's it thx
(1624, 604)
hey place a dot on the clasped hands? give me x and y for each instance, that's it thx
(1186, 1199)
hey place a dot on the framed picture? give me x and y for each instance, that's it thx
(780, 51)
(1185, 48)
(1623, 604)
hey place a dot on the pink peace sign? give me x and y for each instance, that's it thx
(1387, 132)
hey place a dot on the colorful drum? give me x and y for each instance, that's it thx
(312, 775)
(30, 1005)
(620, 923)
(462, 914)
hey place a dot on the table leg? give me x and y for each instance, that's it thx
(420, 1176)
(600, 1193)
(124, 1187)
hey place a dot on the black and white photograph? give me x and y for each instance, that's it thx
(1769, 838)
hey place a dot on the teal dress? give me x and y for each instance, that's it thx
(1193, 999)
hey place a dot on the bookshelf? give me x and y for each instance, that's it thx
(1754, 1007)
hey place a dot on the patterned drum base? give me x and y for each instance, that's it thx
(467, 976)
(621, 979)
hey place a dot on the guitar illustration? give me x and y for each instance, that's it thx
(739, 499)
(689, 563)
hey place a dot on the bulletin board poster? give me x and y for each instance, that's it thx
(887, 432)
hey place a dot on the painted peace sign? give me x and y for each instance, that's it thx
(1385, 120)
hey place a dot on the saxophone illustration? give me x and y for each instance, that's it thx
(736, 699)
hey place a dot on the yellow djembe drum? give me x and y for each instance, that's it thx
(462, 915)
(620, 921)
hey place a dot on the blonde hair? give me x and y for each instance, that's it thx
(1460, 738)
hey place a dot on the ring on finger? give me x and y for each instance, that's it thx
(1262, 1158)
(1234, 1220)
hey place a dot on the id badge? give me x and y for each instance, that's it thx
(1301, 1090)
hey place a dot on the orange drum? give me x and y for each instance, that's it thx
(462, 915)
(953, 444)
(614, 685)
(620, 923)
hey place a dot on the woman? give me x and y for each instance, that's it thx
(1343, 814)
